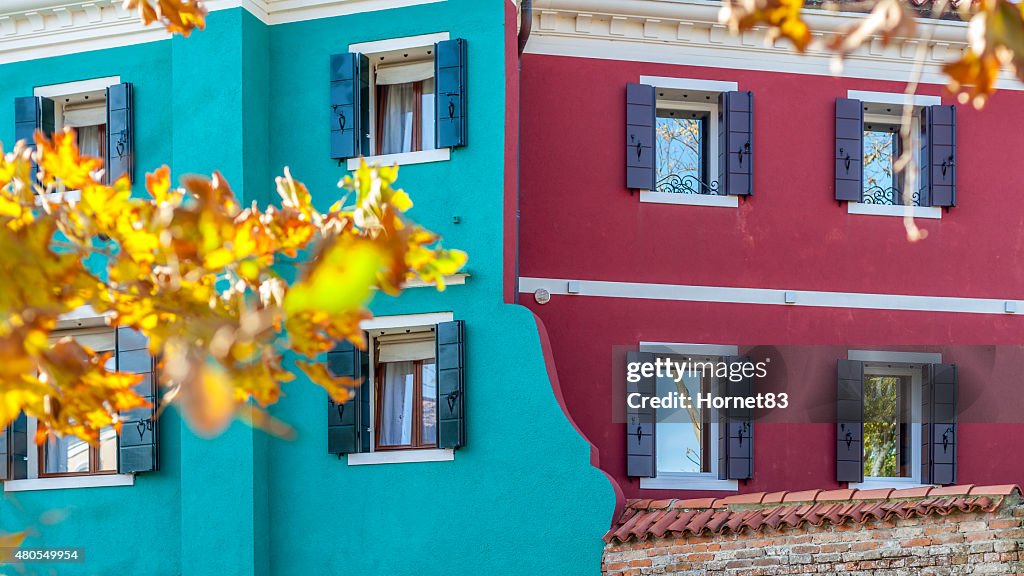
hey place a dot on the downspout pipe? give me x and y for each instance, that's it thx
(525, 27)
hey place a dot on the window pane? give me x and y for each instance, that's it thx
(396, 404)
(879, 175)
(429, 390)
(107, 450)
(67, 454)
(679, 152)
(682, 439)
(90, 140)
(887, 421)
(427, 119)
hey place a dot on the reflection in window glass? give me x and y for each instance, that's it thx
(680, 152)
(882, 148)
(683, 438)
(887, 421)
(429, 398)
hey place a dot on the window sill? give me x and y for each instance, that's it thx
(689, 199)
(64, 482)
(886, 483)
(667, 481)
(405, 158)
(70, 195)
(932, 212)
(401, 457)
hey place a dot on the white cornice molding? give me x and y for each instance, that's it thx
(688, 32)
(33, 29)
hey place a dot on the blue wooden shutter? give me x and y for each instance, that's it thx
(640, 125)
(451, 384)
(641, 460)
(350, 106)
(348, 424)
(939, 425)
(19, 444)
(849, 149)
(120, 159)
(736, 143)
(450, 87)
(5, 453)
(736, 428)
(32, 113)
(938, 157)
(850, 422)
(138, 445)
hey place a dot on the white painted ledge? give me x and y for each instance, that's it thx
(688, 482)
(930, 212)
(689, 199)
(895, 357)
(401, 457)
(405, 158)
(883, 483)
(449, 280)
(66, 482)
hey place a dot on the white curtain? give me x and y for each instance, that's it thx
(396, 409)
(89, 141)
(396, 132)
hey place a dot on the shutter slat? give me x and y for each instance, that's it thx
(641, 457)
(939, 155)
(451, 384)
(850, 421)
(849, 150)
(450, 93)
(736, 144)
(120, 159)
(138, 444)
(640, 133)
(350, 106)
(939, 425)
(348, 424)
(736, 429)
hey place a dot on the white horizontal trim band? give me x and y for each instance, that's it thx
(694, 349)
(406, 320)
(731, 295)
(403, 43)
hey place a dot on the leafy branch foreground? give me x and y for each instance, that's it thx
(195, 271)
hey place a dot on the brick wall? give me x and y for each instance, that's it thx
(977, 542)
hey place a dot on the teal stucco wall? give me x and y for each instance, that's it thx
(520, 498)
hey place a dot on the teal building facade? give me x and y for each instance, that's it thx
(249, 96)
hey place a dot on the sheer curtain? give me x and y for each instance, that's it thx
(396, 104)
(396, 408)
(89, 141)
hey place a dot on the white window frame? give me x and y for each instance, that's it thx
(897, 99)
(72, 322)
(911, 366)
(691, 480)
(377, 47)
(57, 91)
(399, 322)
(697, 85)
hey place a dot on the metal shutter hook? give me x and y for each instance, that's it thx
(639, 150)
(122, 140)
(945, 438)
(452, 397)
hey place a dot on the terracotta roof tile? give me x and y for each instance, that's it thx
(879, 494)
(644, 519)
(961, 490)
(749, 498)
(804, 496)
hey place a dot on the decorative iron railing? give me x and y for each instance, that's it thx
(686, 184)
(887, 196)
